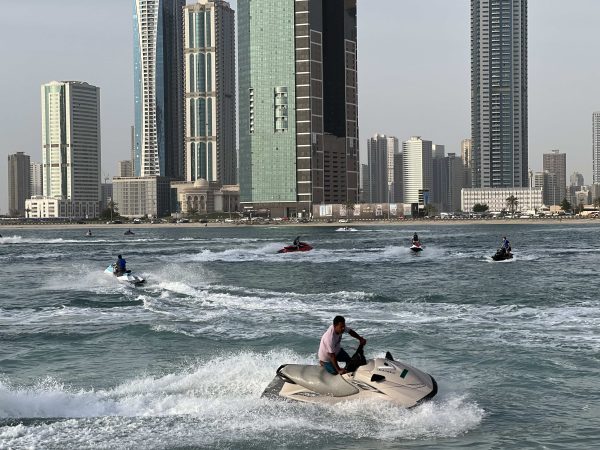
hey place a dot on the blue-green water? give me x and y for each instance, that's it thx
(86, 362)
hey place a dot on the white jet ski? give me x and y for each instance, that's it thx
(376, 379)
(127, 277)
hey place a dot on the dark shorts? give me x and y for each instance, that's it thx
(341, 356)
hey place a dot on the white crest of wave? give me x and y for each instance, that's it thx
(221, 397)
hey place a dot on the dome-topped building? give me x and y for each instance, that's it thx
(206, 197)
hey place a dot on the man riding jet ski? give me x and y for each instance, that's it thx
(297, 246)
(416, 244)
(504, 252)
(119, 270)
(378, 378)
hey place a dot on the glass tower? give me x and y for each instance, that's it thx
(158, 87)
(298, 102)
(499, 93)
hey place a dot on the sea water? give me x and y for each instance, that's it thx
(87, 362)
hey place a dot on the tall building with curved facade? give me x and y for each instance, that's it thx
(210, 92)
(499, 121)
(158, 87)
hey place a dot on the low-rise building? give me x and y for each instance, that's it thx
(142, 196)
(40, 207)
(529, 199)
(204, 197)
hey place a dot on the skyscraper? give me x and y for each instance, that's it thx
(71, 141)
(377, 156)
(499, 93)
(556, 163)
(418, 168)
(18, 183)
(210, 127)
(298, 103)
(158, 87)
(36, 184)
(381, 151)
(576, 179)
(596, 145)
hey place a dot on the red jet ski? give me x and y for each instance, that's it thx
(302, 247)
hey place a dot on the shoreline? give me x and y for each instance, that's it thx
(351, 224)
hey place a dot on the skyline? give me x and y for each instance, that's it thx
(426, 82)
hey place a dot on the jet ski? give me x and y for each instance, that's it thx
(129, 233)
(376, 379)
(346, 229)
(502, 255)
(302, 247)
(416, 247)
(88, 233)
(126, 277)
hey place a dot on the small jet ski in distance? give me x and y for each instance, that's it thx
(377, 379)
(416, 247)
(502, 255)
(126, 277)
(129, 233)
(302, 247)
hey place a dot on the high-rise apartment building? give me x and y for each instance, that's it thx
(298, 103)
(418, 170)
(466, 154)
(18, 183)
(71, 143)
(381, 152)
(210, 105)
(556, 163)
(158, 87)
(439, 177)
(36, 184)
(576, 179)
(499, 122)
(125, 168)
(596, 146)
(377, 157)
(365, 184)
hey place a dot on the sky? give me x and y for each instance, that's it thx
(413, 62)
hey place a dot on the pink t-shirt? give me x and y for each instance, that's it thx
(330, 343)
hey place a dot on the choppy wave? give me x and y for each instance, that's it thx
(213, 402)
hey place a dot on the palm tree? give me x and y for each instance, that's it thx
(349, 207)
(512, 203)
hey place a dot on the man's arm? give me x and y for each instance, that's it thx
(335, 364)
(355, 335)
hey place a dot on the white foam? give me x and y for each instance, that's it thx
(217, 401)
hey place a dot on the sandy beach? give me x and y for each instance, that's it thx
(336, 224)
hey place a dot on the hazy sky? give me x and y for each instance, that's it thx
(414, 73)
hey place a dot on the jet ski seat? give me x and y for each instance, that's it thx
(317, 379)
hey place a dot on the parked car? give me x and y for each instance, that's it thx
(343, 221)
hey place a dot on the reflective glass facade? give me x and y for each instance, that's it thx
(266, 69)
(158, 87)
(298, 102)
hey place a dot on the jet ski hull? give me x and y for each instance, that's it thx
(303, 247)
(379, 379)
(128, 277)
(416, 248)
(499, 256)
